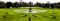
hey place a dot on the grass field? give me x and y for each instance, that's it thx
(22, 14)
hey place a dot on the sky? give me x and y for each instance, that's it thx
(34, 1)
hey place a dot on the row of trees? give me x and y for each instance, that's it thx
(30, 4)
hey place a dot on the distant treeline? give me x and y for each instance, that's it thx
(30, 4)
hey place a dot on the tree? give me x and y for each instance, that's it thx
(43, 5)
(47, 5)
(16, 4)
(37, 5)
(21, 4)
(8, 4)
(57, 5)
(30, 4)
(25, 4)
(2, 4)
(52, 6)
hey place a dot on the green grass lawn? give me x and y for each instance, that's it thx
(9, 14)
